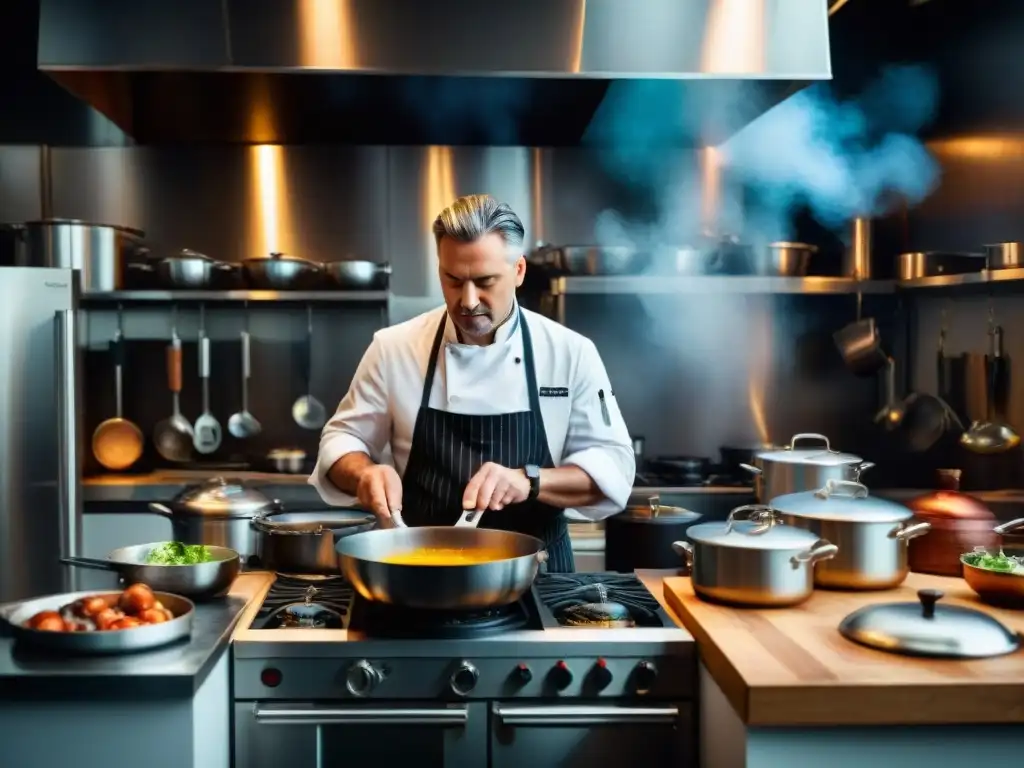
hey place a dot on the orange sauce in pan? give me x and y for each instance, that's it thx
(445, 556)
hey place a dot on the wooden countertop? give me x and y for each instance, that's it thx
(791, 667)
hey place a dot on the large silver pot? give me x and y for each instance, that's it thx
(758, 561)
(793, 469)
(217, 512)
(871, 534)
(98, 251)
(441, 587)
(304, 542)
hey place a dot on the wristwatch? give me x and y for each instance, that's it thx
(533, 475)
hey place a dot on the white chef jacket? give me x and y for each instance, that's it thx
(379, 411)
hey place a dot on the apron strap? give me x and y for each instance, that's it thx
(428, 381)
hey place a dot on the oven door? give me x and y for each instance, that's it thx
(591, 736)
(320, 735)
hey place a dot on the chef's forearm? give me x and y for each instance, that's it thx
(568, 487)
(344, 473)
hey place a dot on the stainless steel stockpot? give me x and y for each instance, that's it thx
(793, 469)
(871, 534)
(758, 561)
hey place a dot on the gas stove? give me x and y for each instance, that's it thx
(548, 644)
(361, 683)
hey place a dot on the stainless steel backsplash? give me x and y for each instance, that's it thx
(691, 373)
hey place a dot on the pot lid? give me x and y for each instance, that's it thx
(821, 454)
(222, 497)
(925, 628)
(654, 511)
(763, 530)
(841, 500)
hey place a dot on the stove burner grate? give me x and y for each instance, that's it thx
(382, 620)
(332, 592)
(560, 592)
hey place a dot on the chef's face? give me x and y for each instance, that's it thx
(479, 283)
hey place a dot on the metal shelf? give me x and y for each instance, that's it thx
(985, 277)
(734, 284)
(305, 297)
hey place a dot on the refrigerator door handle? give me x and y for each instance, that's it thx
(67, 461)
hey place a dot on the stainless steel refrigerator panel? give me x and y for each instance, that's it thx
(39, 505)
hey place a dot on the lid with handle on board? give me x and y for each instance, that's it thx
(815, 449)
(927, 628)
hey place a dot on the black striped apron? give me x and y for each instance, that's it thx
(448, 449)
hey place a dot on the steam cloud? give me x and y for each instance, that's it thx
(838, 158)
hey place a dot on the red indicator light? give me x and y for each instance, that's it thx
(270, 677)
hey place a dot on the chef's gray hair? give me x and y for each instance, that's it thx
(471, 217)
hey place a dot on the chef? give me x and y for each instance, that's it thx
(484, 405)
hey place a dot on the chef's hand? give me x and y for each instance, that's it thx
(380, 491)
(495, 487)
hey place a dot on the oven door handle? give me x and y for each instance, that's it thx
(558, 716)
(271, 714)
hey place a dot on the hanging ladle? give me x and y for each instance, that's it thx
(243, 424)
(993, 435)
(307, 411)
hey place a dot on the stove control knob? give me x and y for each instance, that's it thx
(464, 678)
(362, 677)
(561, 676)
(522, 674)
(644, 675)
(601, 675)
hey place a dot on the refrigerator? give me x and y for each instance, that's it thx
(40, 474)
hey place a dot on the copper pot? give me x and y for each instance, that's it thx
(959, 524)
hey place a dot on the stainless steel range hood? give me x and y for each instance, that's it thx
(528, 72)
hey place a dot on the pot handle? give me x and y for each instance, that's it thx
(685, 550)
(858, 469)
(833, 487)
(758, 513)
(908, 532)
(751, 469)
(808, 436)
(160, 509)
(822, 550)
(90, 562)
(1011, 527)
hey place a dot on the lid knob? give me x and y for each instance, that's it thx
(928, 598)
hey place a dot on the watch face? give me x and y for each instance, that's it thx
(532, 471)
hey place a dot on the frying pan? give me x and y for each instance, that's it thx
(98, 643)
(441, 587)
(199, 580)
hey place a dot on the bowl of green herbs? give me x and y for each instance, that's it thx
(998, 578)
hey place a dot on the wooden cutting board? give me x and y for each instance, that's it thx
(790, 666)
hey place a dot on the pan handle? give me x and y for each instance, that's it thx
(91, 562)
(751, 469)
(160, 509)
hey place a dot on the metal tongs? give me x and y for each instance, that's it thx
(470, 518)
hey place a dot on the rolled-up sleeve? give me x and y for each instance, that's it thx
(598, 441)
(362, 423)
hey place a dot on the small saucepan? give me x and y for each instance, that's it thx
(304, 541)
